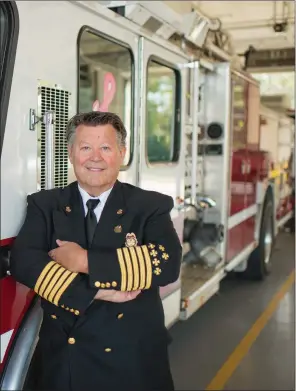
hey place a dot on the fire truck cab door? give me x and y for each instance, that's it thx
(163, 84)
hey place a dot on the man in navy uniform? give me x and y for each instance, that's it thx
(96, 252)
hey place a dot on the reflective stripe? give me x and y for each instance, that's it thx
(241, 216)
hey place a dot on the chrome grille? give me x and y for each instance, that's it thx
(57, 100)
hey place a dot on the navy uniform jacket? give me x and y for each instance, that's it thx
(90, 344)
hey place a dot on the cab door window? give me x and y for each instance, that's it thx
(162, 113)
(106, 73)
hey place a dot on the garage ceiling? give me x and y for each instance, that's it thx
(248, 22)
(251, 22)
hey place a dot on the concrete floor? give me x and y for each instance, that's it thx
(202, 344)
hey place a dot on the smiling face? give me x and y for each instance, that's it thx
(96, 157)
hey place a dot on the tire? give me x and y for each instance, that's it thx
(292, 220)
(259, 262)
(292, 224)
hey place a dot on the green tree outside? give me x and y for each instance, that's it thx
(160, 115)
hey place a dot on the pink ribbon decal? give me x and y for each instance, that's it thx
(109, 93)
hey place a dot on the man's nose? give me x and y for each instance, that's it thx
(96, 155)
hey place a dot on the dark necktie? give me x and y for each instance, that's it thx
(91, 220)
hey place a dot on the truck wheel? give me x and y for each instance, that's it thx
(259, 262)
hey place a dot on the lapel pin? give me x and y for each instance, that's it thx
(131, 240)
(68, 209)
(118, 229)
(120, 211)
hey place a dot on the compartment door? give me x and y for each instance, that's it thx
(238, 168)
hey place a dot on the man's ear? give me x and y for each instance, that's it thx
(70, 153)
(122, 152)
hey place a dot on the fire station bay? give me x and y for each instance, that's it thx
(189, 105)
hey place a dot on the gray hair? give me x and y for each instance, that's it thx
(96, 118)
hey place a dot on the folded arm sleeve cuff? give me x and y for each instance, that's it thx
(31, 265)
(155, 263)
(64, 288)
(133, 268)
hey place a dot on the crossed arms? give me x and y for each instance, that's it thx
(69, 276)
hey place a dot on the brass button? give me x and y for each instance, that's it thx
(108, 350)
(71, 341)
(114, 284)
(119, 316)
(53, 316)
(67, 309)
(76, 312)
(71, 310)
(97, 284)
(103, 286)
(108, 284)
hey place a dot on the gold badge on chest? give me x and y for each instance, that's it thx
(131, 240)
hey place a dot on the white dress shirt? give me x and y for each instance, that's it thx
(99, 208)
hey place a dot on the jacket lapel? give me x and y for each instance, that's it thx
(69, 218)
(112, 228)
(114, 221)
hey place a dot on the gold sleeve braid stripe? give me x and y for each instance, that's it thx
(42, 275)
(63, 277)
(122, 269)
(48, 278)
(63, 288)
(142, 267)
(135, 267)
(129, 269)
(53, 281)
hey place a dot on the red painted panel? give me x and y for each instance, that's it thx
(250, 193)
(239, 237)
(260, 164)
(237, 182)
(237, 197)
(6, 242)
(15, 299)
(234, 242)
(249, 231)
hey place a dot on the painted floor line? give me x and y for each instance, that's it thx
(230, 365)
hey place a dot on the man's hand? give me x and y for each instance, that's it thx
(71, 256)
(116, 296)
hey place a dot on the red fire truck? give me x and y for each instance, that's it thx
(196, 131)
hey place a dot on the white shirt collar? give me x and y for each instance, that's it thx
(85, 196)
